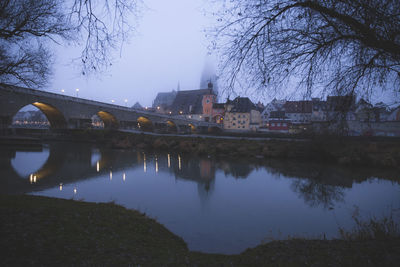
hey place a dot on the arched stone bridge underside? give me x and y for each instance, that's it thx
(66, 112)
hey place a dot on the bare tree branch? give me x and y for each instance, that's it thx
(338, 46)
(101, 25)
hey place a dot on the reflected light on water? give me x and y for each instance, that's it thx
(214, 192)
(144, 163)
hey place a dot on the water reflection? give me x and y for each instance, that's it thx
(215, 204)
(315, 193)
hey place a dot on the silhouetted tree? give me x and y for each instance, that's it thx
(343, 46)
(28, 27)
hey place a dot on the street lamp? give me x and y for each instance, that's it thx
(62, 91)
(112, 101)
(77, 91)
(126, 102)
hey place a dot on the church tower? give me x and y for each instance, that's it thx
(209, 75)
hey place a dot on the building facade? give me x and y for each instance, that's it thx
(241, 114)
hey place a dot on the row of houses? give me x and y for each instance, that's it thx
(241, 114)
(294, 116)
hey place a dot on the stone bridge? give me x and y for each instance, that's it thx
(67, 112)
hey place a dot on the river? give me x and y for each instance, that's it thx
(216, 205)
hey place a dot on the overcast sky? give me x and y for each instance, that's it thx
(170, 47)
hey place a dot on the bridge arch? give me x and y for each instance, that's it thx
(192, 127)
(53, 115)
(109, 120)
(171, 126)
(145, 124)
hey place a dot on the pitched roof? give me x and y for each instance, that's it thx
(164, 99)
(219, 105)
(242, 105)
(137, 106)
(277, 114)
(304, 106)
(341, 103)
(190, 101)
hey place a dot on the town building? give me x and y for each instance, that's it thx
(278, 122)
(298, 112)
(137, 106)
(241, 114)
(274, 105)
(194, 104)
(394, 114)
(341, 108)
(218, 113)
(319, 109)
(163, 101)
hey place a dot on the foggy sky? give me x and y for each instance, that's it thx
(170, 47)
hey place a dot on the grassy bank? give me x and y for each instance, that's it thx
(54, 232)
(383, 152)
(375, 152)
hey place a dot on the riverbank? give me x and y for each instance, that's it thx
(382, 152)
(376, 152)
(55, 232)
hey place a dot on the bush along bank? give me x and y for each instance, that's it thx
(347, 151)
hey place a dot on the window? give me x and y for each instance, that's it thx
(234, 124)
(208, 101)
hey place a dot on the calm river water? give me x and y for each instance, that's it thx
(215, 205)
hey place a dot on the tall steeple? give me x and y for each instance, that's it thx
(208, 75)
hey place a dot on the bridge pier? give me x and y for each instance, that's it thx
(66, 112)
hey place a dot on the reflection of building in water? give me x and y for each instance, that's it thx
(205, 189)
(205, 169)
(237, 169)
(199, 170)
